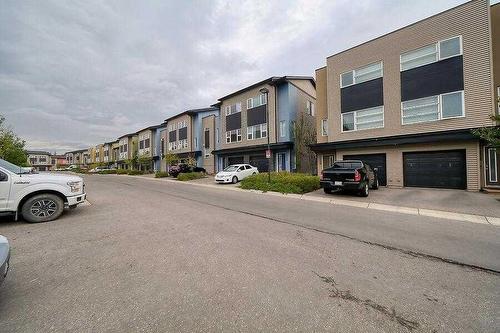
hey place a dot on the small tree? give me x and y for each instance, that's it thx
(304, 134)
(11, 146)
(191, 161)
(170, 159)
(489, 134)
(145, 161)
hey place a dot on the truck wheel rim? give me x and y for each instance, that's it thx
(43, 208)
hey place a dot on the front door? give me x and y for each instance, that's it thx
(281, 161)
(492, 157)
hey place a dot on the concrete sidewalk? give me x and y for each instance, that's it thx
(447, 204)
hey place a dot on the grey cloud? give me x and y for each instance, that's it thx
(77, 73)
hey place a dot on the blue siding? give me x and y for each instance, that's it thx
(287, 108)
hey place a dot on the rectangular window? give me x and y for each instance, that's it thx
(141, 144)
(361, 74)
(363, 119)
(310, 108)
(217, 135)
(146, 143)
(256, 101)
(125, 148)
(282, 128)
(324, 127)
(445, 106)
(492, 165)
(257, 131)
(195, 143)
(233, 136)
(232, 109)
(431, 53)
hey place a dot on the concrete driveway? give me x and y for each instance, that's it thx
(457, 201)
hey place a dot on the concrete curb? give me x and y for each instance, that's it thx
(488, 220)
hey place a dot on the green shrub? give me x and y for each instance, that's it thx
(284, 182)
(121, 171)
(161, 174)
(107, 172)
(189, 176)
(78, 170)
(135, 172)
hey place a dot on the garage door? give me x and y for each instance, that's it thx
(375, 161)
(441, 169)
(260, 162)
(235, 160)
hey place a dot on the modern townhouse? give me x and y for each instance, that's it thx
(185, 136)
(406, 102)
(76, 157)
(127, 150)
(269, 108)
(58, 161)
(99, 154)
(39, 160)
(107, 153)
(149, 152)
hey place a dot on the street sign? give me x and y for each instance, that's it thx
(268, 153)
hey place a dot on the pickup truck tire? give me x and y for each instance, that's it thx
(42, 208)
(375, 184)
(365, 191)
(327, 190)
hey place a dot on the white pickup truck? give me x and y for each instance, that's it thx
(38, 197)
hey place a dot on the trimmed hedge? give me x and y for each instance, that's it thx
(108, 172)
(283, 182)
(135, 172)
(189, 176)
(79, 171)
(161, 174)
(121, 172)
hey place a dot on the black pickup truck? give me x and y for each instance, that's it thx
(350, 175)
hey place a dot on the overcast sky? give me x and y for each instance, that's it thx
(77, 73)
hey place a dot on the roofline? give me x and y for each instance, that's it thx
(152, 127)
(41, 152)
(192, 112)
(272, 81)
(406, 26)
(126, 136)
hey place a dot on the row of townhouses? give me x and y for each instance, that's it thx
(45, 161)
(405, 102)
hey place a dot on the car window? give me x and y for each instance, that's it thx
(3, 177)
(347, 165)
(248, 167)
(231, 168)
(240, 168)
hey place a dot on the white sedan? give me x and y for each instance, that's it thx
(235, 172)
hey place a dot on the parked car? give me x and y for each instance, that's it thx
(38, 197)
(4, 257)
(71, 167)
(235, 172)
(184, 168)
(349, 175)
(99, 168)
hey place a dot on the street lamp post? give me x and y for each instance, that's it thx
(265, 91)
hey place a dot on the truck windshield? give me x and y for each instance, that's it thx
(11, 167)
(347, 165)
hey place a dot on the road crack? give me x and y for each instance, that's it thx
(348, 296)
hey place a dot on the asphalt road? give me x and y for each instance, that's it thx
(154, 256)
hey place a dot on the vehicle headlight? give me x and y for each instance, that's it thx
(75, 186)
